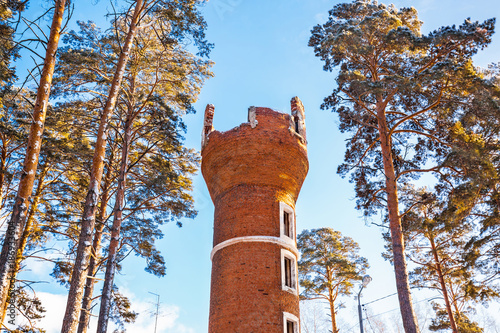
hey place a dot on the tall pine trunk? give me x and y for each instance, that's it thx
(332, 313)
(80, 268)
(18, 219)
(444, 290)
(96, 247)
(114, 243)
(26, 233)
(3, 163)
(398, 246)
(331, 301)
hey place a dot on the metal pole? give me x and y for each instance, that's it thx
(157, 307)
(359, 311)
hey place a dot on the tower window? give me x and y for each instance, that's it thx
(289, 271)
(290, 323)
(287, 221)
(296, 121)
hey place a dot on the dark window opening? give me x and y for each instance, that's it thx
(296, 120)
(286, 224)
(290, 327)
(288, 272)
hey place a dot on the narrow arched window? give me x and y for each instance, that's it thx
(290, 323)
(287, 221)
(289, 272)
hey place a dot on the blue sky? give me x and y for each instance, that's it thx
(262, 59)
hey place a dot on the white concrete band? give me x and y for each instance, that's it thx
(287, 243)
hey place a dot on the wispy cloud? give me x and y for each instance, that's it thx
(54, 305)
(168, 318)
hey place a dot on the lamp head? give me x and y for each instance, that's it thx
(366, 279)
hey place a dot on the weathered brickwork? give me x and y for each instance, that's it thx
(246, 294)
(249, 170)
(207, 124)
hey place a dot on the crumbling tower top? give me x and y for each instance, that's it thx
(269, 149)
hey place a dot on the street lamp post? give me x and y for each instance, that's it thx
(365, 281)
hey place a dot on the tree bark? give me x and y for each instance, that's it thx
(107, 289)
(442, 283)
(334, 319)
(79, 274)
(331, 300)
(96, 246)
(398, 247)
(3, 162)
(18, 219)
(26, 233)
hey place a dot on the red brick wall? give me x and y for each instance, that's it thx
(246, 294)
(248, 172)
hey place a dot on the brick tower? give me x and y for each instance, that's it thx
(254, 173)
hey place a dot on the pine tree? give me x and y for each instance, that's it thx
(13, 115)
(8, 49)
(161, 83)
(436, 244)
(14, 128)
(482, 189)
(60, 160)
(328, 266)
(18, 218)
(174, 22)
(399, 93)
(95, 259)
(80, 267)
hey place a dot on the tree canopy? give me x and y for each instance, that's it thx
(399, 94)
(329, 266)
(121, 94)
